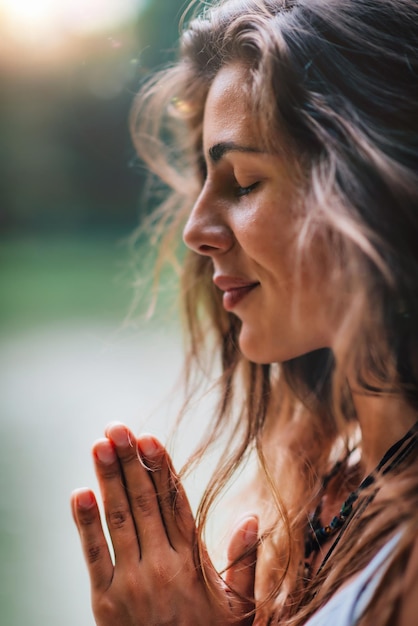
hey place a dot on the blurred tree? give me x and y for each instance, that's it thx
(66, 156)
(158, 30)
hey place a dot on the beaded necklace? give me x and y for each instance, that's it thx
(318, 534)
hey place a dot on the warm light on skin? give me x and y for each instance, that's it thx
(247, 219)
(52, 19)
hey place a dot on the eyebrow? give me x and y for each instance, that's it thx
(219, 150)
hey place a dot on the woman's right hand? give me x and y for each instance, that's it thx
(156, 578)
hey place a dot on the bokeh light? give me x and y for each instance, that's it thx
(49, 18)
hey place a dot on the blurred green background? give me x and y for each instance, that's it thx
(71, 185)
(72, 358)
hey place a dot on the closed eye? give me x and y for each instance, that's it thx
(244, 191)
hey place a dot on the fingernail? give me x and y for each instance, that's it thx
(148, 446)
(105, 452)
(119, 435)
(251, 532)
(84, 499)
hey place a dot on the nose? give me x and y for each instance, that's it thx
(206, 232)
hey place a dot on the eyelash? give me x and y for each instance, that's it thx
(240, 191)
(244, 191)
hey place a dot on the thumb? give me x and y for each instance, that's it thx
(242, 558)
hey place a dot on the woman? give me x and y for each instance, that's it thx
(294, 167)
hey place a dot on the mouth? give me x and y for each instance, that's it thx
(235, 290)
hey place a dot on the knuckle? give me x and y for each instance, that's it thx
(110, 472)
(94, 554)
(105, 608)
(169, 499)
(87, 518)
(117, 519)
(144, 503)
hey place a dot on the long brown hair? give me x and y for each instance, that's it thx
(337, 79)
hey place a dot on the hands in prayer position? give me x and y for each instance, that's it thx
(156, 577)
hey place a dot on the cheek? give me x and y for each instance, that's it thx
(266, 233)
(245, 224)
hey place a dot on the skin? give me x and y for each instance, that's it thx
(246, 220)
(155, 580)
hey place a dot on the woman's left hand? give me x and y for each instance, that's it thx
(156, 578)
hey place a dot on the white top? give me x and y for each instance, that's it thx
(347, 605)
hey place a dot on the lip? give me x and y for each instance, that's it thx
(235, 289)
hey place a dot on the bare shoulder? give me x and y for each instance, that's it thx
(408, 614)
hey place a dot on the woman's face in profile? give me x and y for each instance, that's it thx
(247, 219)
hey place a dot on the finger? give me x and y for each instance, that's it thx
(140, 491)
(242, 558)
(174, 504)
(119, 519)
(96, 551)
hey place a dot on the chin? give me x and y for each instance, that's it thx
(265, 350)
(260, 350)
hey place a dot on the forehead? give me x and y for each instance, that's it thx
(227, 115)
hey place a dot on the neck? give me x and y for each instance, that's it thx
(383, 420)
